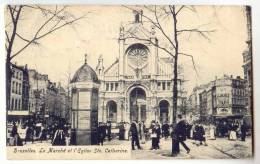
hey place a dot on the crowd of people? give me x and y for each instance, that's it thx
(139, 133)
(21, 134)
(198, 132)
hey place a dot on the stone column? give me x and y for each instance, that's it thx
(139, 112)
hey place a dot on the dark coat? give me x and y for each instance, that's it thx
(201, 133)
(133, 131)
(181, 130)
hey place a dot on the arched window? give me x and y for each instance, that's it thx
(164, 111)
(111, 111)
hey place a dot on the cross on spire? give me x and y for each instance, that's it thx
(86, 55)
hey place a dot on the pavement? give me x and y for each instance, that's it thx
(221, 148)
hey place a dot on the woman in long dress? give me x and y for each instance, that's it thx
(127, 128)
(212, 132)
(233, 134)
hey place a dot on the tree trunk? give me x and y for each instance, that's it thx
(8, 83)
(175, 69)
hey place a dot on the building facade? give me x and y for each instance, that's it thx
(138, 85)
(224, 98)
(248, 65)
(19, 99)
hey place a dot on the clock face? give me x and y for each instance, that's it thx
(138, 57)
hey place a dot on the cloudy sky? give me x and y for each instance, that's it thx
(63, 52)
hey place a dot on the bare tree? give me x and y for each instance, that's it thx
(53, 18)
(157, 15)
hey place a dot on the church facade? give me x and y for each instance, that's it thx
(138, 85)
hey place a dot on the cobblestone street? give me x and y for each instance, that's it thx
(216, 149)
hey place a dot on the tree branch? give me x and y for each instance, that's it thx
(180, 9)
(200, 32)
(193, 62)
(11, 11)
(26, 40)
(45, 23)
(7, 37)
(150, 41)
(53, 29)
(161, 29)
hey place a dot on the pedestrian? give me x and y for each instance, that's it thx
(109, 131)
(127, 128)
(141, 132)
(158, 135)
(212, 132)
(232, 133)
(154, 140)
(189, 126)
(14, 136)
(100, 131)
(59, 137)
(135, 138)
(181, 132)
(122, 131)
(243, 129)
(201, 135)
(43, 134)
(165, 130)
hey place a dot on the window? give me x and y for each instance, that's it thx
(12, 104)
(111, 86)
(107, 86)
(116, 86)
(13, 87)
(168, 85)
(15, 105)
(18, 105)
(163, 85)
(159, 85)
(20, 89)
(16, 88)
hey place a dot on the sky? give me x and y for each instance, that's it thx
(62, 53)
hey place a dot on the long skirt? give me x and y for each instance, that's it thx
(232, 135)
(212, 134)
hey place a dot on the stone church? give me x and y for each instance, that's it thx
(138, 85)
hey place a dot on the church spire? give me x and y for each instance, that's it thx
(138, 16)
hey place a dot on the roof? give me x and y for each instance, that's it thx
(85, 73)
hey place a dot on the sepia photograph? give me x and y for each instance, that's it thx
(129, 82)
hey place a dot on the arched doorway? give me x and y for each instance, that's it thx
(164, 111)
(111, 111)
(137, 105)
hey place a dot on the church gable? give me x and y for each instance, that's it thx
(137, 30)
(112, 70)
